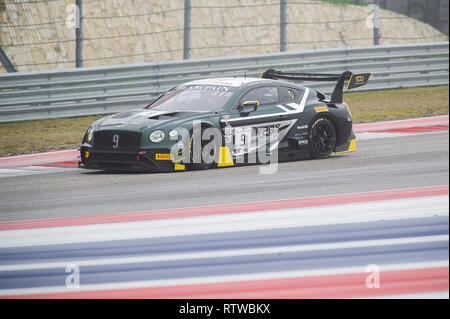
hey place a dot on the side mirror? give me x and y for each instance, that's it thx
(248, 107)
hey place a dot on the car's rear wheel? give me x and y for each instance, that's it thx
(322, 138)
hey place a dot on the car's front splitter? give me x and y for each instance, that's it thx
(158, 160)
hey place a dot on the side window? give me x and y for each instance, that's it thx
(288, 95)
(265, 95)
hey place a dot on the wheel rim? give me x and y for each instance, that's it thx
(324, 139)
(208, 156)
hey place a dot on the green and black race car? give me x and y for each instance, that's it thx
(221, 122)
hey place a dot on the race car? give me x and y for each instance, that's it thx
(226, 121)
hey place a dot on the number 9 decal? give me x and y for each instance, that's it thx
(115, 139)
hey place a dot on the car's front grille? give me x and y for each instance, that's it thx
(117, 140)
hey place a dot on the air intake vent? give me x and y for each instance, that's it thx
(165, 116)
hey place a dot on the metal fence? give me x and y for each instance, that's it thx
(101, 90)
(55, 34)
(432, 12)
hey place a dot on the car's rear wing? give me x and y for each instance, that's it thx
(355, 80)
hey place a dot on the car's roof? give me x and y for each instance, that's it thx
(228, 81)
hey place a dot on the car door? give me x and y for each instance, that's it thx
(264, 127)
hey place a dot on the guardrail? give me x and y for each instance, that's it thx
(87, 91)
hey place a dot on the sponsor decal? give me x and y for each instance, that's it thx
(359, 78)
(319, 109)
(179, 167)
(249, 138)
(228, 130)
(180, 145)
(233, 82)
(228, 140)
(291, 94)
(204, 87)
(163, 157)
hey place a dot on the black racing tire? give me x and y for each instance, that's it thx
(322, 138)
(202, 165)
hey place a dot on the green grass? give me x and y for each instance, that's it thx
(66, 133)
(37, 136)
(387, 105)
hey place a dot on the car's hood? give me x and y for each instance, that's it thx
(141, 118)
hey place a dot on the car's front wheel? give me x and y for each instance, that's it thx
(322, 138)
(206, 156)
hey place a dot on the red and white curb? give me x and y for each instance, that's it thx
(418, 125)
(56, 158)
(51, 162)
(418, 278)
(401, 128)
(401, 281)
(421, 193)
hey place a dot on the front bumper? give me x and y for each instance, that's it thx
(156, 160)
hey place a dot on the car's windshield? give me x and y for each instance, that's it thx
(194, 98)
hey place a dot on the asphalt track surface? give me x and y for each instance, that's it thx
(379, 164)
(374, 223)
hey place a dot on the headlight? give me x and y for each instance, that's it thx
(156, 136)
(173, 133)
(90, 135)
